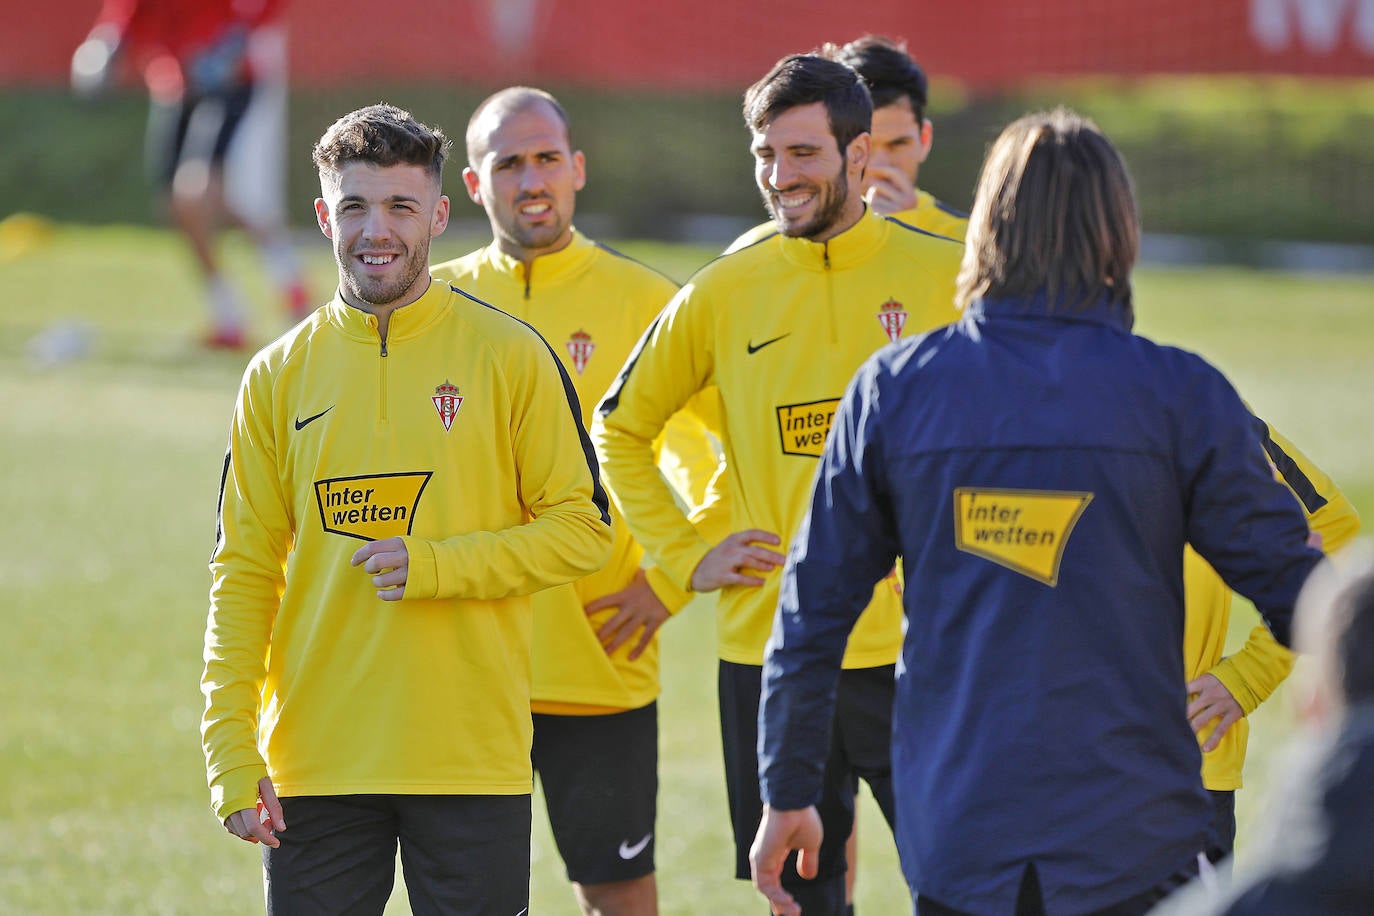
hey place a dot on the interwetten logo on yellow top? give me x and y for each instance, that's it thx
(372, 506)
(1023, 530)
(803, 427)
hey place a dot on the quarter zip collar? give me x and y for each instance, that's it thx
(1037, 305)
(850, 248)
(553, 268)
(406, 322)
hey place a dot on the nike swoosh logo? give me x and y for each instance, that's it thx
(756, 348)
(628, 852)
(302, 424)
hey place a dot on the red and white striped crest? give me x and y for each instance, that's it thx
(892, 316)
(447, 400)
(580, 349)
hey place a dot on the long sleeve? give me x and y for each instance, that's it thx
(1253, 673)
(671, 363)
(569, 533)
(252, 539)
(845, 544)
(1241, 520)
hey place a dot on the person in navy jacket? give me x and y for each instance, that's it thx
(1038, 468)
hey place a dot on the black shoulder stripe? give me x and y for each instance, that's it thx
(759, 241)
(946, 208)
(219, 506)
(612, 399)
(1292, 474)
(625, 257)
(599, 497)
(935, 235)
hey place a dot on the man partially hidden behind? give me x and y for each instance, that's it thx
(595, 661)
(404, 467)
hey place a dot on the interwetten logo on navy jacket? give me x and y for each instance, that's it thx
(1024, 530)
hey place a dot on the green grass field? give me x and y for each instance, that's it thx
(110, 469)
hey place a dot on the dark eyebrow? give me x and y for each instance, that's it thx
(393, 199)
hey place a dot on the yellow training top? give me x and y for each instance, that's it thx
(592, 304)
(460, 435)
(779, 328)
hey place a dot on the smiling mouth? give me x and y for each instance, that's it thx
(793, 200)
(377, 260)
(536, 208)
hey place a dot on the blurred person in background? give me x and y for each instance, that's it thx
(405, 467)
(595, 643)
(1318, 856)
(1039, 468)
(902, 139)
(215, 73)
(1314, 855)
(776, 330)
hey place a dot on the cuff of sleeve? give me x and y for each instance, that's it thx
(1226, 672)
(673, 598)
(235, 790)
(422, 575)
(679, 568)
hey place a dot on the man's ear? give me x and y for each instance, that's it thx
(579, 162)
(440, 221)
(322, 217)
(856, 154)
(927, 138)
(473, 184)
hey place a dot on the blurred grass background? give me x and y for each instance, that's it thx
(110, 467)
(1230, 158)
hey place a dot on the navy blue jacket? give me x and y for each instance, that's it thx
(1039, 472)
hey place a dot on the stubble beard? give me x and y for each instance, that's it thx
(525, 238)
(831, 196)
(378, 291)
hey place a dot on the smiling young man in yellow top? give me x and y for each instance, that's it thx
(779, 328)
(404, 466)
(595, 651)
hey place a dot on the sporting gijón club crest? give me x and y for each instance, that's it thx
(892, 316)
(580, 349)
(447, 400)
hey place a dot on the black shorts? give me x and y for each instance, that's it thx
(460, 854)
(198, 128)
(861, 739)
(600, 779)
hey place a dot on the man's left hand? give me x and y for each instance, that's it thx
(1212, 702)
(389, 563)
(640, 609)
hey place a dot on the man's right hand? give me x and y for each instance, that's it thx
(247, 825)
(732, 560)
(889, 189)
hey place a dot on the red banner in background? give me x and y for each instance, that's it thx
(726, 44)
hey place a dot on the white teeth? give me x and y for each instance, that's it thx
(535, 209)
(377, 258)
(794, 200)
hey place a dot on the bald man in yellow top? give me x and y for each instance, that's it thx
(595, 649)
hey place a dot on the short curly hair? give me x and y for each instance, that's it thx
(382, 135)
